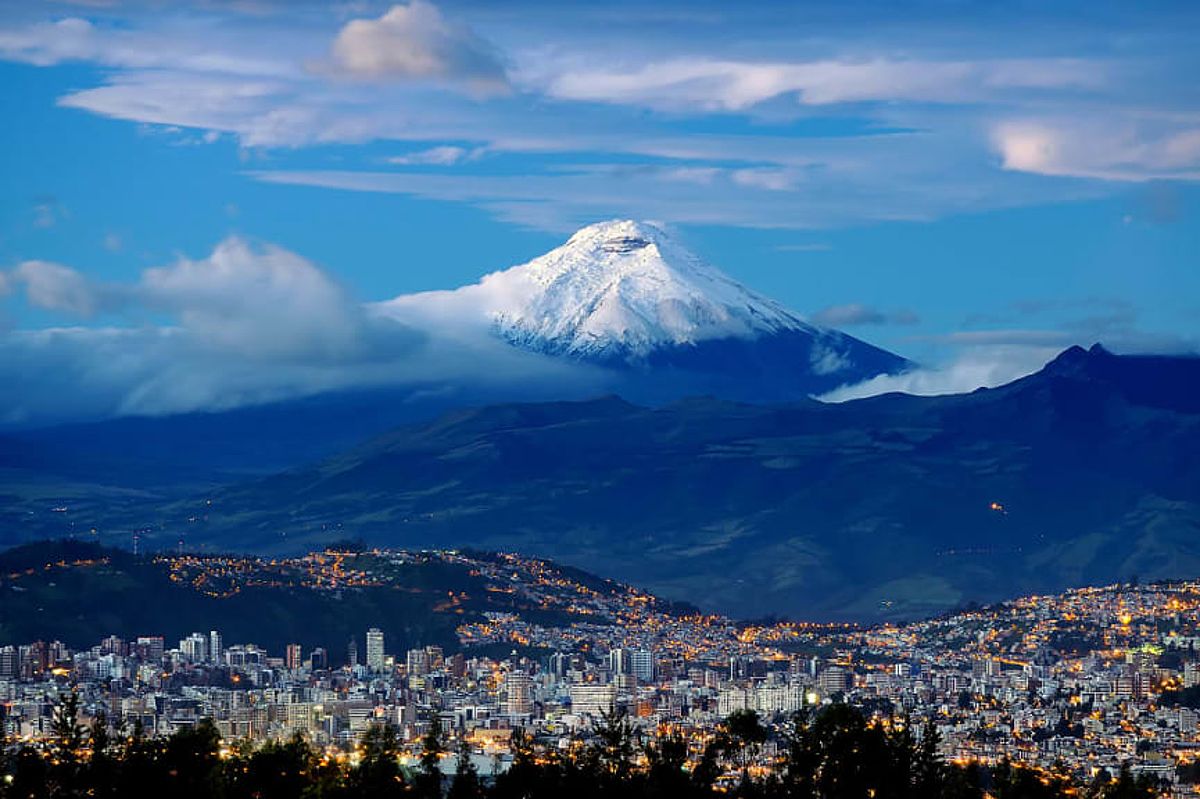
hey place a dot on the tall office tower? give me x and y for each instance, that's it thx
(150, 648)
(216, 646)
(293, 658)
(352, 653)
(195, 647)
(641, 665)
(833, 680)
(375, 649)
(9, 661)
(518, 693)
(636, 662)
(57, 652)
(320, 659)
(417, 662)
(592, 699)
(435, 659)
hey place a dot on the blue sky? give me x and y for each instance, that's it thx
(974, 185)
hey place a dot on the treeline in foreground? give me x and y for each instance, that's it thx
(835, 753)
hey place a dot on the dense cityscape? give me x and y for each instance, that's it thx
(1087, 681)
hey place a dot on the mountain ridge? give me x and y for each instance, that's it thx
(886, 506)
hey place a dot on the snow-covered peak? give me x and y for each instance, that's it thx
(615, 289)
(629, 286)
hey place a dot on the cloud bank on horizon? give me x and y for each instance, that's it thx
(248, 324)
(781, 118)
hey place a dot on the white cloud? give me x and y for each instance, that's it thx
(1125, 149)
(174, 48)
(767, 178)
(922, 119)
(714, 84)
(45, 44)
(883, 178)
(415, 42)
(445, 155)
(56, 287)
(990, 358)
(263, 302)
(246, 324)
(978, 366)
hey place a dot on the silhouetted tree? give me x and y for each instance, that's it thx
(747, 735)
(275, 771)
(466, 784)
(378, 774)
(428, 781)
(666, 776)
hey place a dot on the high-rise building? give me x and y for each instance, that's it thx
(319, 659)
(352, 653)
(9, 661)
(590, 699)
(292, 657)
(641, 663)
(618, 661)
(216, 647)
(559, 664)
(833, 680)
(638, 663)
(417, 662)
(518, 693)
(194, 648)
(150, 648)
(375, 649)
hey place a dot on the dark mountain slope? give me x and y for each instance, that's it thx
(876, 507)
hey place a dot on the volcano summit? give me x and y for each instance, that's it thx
(626, 295)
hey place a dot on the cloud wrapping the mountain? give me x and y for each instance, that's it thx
(983, 366)
(247, 324)
(264, 302)
(990, 358)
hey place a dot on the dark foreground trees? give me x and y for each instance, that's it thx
(833, 753)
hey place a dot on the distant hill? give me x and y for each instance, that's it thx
(79, 592)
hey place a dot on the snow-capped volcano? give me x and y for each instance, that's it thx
(627, 294)
(624, 289)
